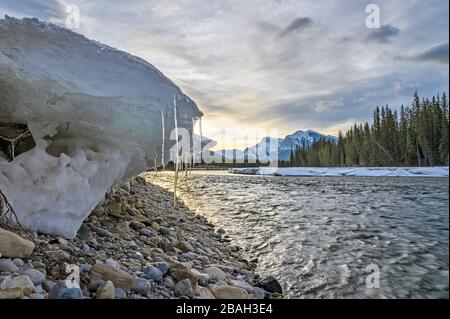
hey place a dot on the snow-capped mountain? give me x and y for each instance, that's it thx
(301, 139)
(269, 147)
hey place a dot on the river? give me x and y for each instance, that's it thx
(332, 237)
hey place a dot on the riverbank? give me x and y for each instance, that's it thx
(137, 245)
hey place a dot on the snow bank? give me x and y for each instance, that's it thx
(95, 114)
(340, 171)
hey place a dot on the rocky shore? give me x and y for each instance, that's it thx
(137, 245)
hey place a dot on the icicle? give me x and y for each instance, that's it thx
(201, 140)
(163, 142)
(194, 122)
(177, 152)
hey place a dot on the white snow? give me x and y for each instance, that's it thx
(344, 171)
(95, 114)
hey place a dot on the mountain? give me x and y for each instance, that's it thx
(274, 146)
(301, 139)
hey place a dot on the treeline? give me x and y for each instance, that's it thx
(417, 135)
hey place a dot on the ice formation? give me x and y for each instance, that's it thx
(96, 116)
(345, 171)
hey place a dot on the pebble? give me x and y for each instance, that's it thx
(141, 286)
(12, 293)
(203, 293)
(112, 263)
(35, 275)
(137, 225)
(146, 250)
(85, 267)
(204, 260)
(120, 278)
(146, 232)
(184, 288)
(151, 272)
(120, 293)
(162, 266)
(215, 274)
(58, 255)
(270, 284)
(228, 292)
(48, 285)
(166, 245)
(14, 246)
(84, 233)
(18, 262)
(8, 266)
(164, 231)
(184, 246)
(106, 291)
(61, 291)
(103, 232)
(23, 282)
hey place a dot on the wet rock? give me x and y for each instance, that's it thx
(8, 266)
(95, 284)
(137, 225)
(11, 293)
(85, 267)
(180, 272)
(259, 293)
(18, 262)
(184, 288)
(48, 285)
(106, 291)
(166, 245)
(58, 255)
(120, 278)
(124, 227)
(203, 293)
(228, 292)
(145, 232)
(61, 291)
(84, 233)
(112, 263)
(14, 246)
(141, 286)
(103, 232)
(120, 293)
(270, 284)
(35, 276)
(168, 282)
(164, 231)
(162, 266)
(23, 282)
(184, 246)
(204, 260)
(215, 274)
(153, 273)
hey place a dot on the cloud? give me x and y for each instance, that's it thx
(436, 54)
(42, 9)
(286, 64)
(297, 25)
(323, 106)
(383, 34)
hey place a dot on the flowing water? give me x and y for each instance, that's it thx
(327, 237)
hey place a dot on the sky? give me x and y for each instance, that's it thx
(284, 64)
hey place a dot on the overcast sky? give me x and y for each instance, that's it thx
(288, 64)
